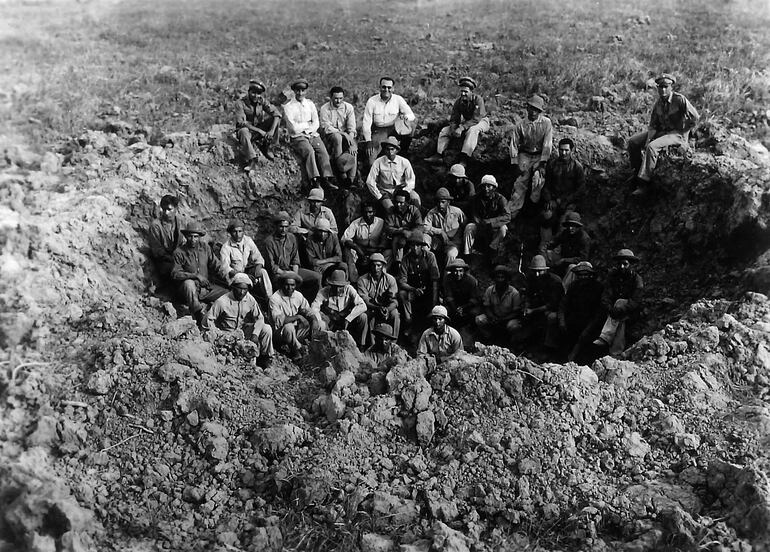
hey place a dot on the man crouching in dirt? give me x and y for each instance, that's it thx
(238, 310)
(256, 120)
(193, 264)
(439, 341)
(293, 319)
(339, 307)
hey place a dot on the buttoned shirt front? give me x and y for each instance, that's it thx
(382, 113)
(372, 289)
(348, 299)
(386, 175)
(254, 113)
(363, 234)
(281, 252)
(337, 119)
(502, 305)
(442, 345)
(449, 222)
(418, 269)
(302, 117)
(469, 111)
(307, 220)
(282, 306)
(533, 137)
(228, 313)
(238, 255)
(675, 114)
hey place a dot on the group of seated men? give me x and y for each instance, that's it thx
(400, 263)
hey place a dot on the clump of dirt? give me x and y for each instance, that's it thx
(123, 427)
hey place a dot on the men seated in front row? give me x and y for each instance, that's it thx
(293, 320)
(469, 118)
(282, 255)
(461, 297)
(241, 254)
(541, 302)
(364, 236)
(339, 307)
(338, 130)
(502, 308)
(238, 310)
(418, 280)
(439, 341)
(580, 311)
(194, 268)
(621, 301)
(388, 172)
(489, 220)
(301, 117)
(444, 227)
(379, 291)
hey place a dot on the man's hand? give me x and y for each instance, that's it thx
(457, 132)
(419, 292)
(370, 148)
(460, 311)
(203, 281)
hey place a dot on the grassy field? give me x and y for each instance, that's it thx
(178, 65)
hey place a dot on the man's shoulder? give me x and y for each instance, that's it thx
(225, 299)
(326, 107)
(403, 160)
(456, 210)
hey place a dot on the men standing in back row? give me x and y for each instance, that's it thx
(382, 113)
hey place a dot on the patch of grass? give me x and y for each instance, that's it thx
(178, 66)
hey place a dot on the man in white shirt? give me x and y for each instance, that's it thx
(363, 237)
(241, 254)
(338, 130)
(382, 112)
(389, 172)
(293, 320)
(339, 307)
(302, 122)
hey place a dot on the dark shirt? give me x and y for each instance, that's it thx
(281, 253)
(492, 207)
(462, 190)
(411, 219)
(545, 290)
(193, 261)
(622, 284)
(574, 247)
(469, 111)
(330, 247)
(418, 270)
(677, 115)
(164, 237)
(582, 303)
(564, 182)
(461, 293)
(254, 114)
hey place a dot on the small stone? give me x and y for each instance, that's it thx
(193, 418)
(426, 427)
(334, 408)
(100, 382)
(373, 542)
(196, 495)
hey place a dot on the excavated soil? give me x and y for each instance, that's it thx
(122, 428)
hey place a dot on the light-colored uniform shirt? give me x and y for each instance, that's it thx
(505, 305)
(385, 175)
(371, 289)
(237, 255)
(381, 113)
(281, 306)
(305, 220)
(337, 119)
(301, 117)
(442, 345)
(348, 297)
(533, 138)
(436, 222)
(364, 234)
(227, 313)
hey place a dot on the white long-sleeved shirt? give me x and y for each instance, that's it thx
(237, 255)
(301, 117)
(349, 296)
(338, 119)
(364, 234)
(282, 306)
(386, 175)
(381, 113)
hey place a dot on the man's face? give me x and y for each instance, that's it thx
(465, 93)
(624, 265)
(377, 268)
(288, 287)
(253, 95)
(283, 228)
(336, 291)
(487, 189)
(167, 212)
(369, 214)
(337, 99)
(539, 273)
(565, 152)
(501, 280)
(571, 228)
(386, 89)
(320, 235)
(665, 90)
(439, 323)
(193, 239)
(236, 234)
(399, 203)
(443, 205)
(458, 273)
(315, 206)
(239, 292)
(299, 94)
(390, 152)
(532, 112)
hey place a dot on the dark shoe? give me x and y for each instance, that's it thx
(435, 158)
(268, 154)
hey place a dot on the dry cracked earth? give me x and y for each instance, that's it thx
(123, 428)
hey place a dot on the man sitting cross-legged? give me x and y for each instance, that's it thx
(339, 307)
(293, 319)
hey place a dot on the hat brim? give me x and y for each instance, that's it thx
(187, 232)
(292, 276)
(571, 223)
(384, 334)
(625, 258)
(538, 107)
(384, 145)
